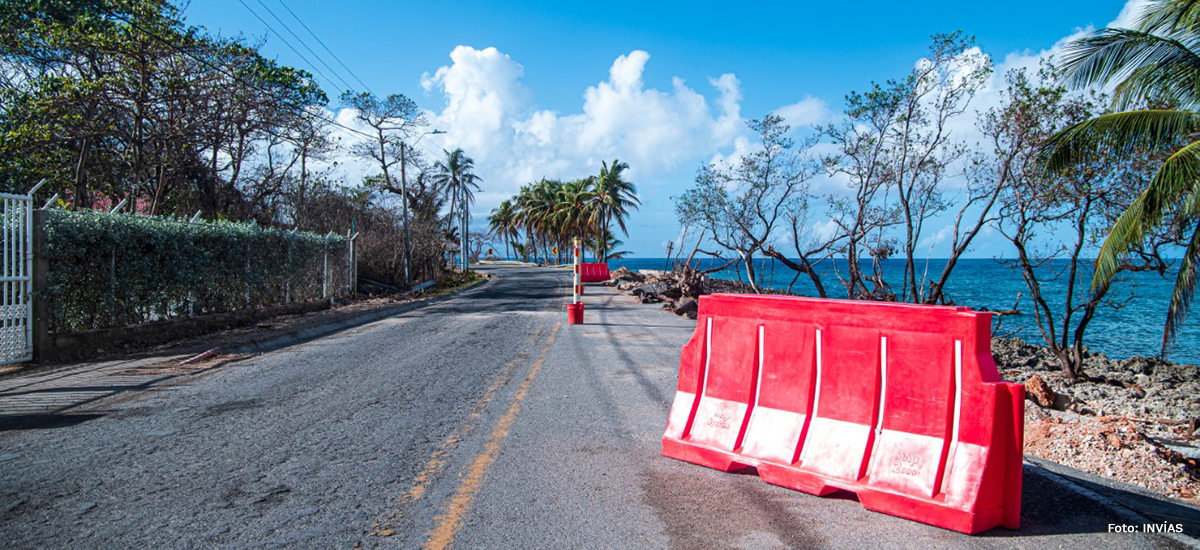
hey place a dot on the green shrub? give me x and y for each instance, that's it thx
(114, 270)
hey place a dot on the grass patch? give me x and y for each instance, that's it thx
(458, 281)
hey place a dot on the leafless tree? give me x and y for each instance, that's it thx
(740, 204)
(897, 149)
(1075, 208)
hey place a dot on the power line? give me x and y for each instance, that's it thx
(250, 85)
(286, 27)
(288, 44)
(335, 57)
(428, 150)
(204, 62)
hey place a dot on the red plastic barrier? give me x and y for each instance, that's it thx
(593, 273)
(898, 403)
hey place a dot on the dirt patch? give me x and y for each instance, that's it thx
(1112, 447)
(177, 368)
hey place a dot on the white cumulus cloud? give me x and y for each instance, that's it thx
(490, 113)
(806, 112)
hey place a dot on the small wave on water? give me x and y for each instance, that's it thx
(1133, 328)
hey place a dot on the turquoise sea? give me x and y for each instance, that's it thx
(1134, 328)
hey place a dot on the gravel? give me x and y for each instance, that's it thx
(1132, 420)
(1145, 387)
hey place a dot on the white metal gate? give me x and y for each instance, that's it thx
(16, 303)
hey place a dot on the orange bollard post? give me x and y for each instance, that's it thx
(575, 314)
(575, 308)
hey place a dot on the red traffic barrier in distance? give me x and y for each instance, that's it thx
(593, 273)
(898, 403)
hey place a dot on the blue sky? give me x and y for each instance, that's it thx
(552, 88)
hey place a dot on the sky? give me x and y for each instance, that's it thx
(552, 89)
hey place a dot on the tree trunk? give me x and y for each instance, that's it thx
(804, 267)
(83, 198)
(1066, 362)
(749, 260)
(466, 228)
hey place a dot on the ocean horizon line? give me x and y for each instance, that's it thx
(898, 259)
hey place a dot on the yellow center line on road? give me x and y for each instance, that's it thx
(437, 460)
(447, 523)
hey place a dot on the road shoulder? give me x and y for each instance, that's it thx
(64, 393)
(582, 467)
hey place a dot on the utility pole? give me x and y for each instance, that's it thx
(404, 202)
(404, 197)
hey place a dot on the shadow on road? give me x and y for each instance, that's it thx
(77, 389)
(1048, 509)
(510, 297)
(640, 325)
(11, 422)
(1157, 510)
(1057, 511)
(678, 497)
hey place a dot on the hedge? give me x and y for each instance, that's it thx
(114, 270)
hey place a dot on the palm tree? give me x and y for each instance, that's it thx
(543, 198)
(551, 211)
(456, 177)
(1157, 61)
(612, 198)
(528, 216)
(611, 243)
(572, 210)
(503, 223)
(520, 220)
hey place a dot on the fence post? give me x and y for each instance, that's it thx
(351, 265)
(287, 283)
(41, 269)
(325, 276)
(112, 288)
(246, 276)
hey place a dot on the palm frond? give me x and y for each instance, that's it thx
(1177, 178)
(1111, 55)
(1120, 134)
(1171, 16)
(1159, 60)
(1185, 288)
(1176, 82)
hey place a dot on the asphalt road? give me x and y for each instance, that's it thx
(484, 421)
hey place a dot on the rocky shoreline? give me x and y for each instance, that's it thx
(1133, 420)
